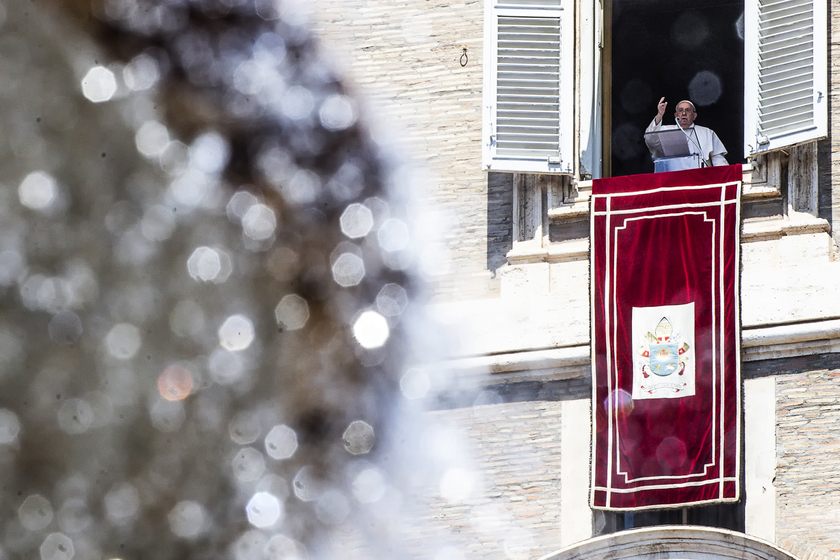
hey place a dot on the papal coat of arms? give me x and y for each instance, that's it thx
(663, 339)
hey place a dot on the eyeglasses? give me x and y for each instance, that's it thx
(685, 111)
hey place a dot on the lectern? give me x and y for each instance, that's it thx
(671, 151)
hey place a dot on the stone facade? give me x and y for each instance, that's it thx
(808, 447)
(407, 62)
(521, 301)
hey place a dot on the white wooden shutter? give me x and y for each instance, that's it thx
(528, 86)
(785, 82)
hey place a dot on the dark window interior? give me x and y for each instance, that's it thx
(677, 49)
(721, 516)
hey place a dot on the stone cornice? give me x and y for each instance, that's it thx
(550, 364)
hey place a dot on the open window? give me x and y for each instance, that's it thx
(549, 65)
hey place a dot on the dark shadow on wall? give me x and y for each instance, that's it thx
(825, 198)
(824, 179)
(499, 219)
(520, 391)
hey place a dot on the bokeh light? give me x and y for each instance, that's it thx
(297, 103)
(264, 510)
(141, 73)
(236, 333)
(151, 139)
(393, 235)
(621, 402)
(303, 187)
(359, 437)
(174, 159)
(209, 152)
(250, 545)
(292, 312)
(99, 84)
(74, 516)
(671, 454)
(415, 383)
(705, 88)
(167, 415)
(259, 222)
(391, 300)
(337, 112)
(249, 77)
(187, 519)
(690, 30)
(239, 204)
(371, 329)
(356, 220)
(65, 328)
(175, 382)
(226, 367)
(348, 270)
(187, 318)
(245, 428)
(282, 547)
(307, 486)
(281, 442)
(35, 513)
(9, 426)
(75, 416)
(248, 464)
(38, 191)
(123, 341)
(12, 266)
(369, 486)
(209, 264)
(122, 503)
(57, 546)
(157, 224)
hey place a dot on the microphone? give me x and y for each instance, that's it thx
(696, 142)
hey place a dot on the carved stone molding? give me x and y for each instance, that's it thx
(679, 542)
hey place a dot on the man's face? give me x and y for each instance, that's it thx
(685, 114)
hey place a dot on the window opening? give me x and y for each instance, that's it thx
(677, 49)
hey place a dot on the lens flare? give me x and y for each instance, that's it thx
(175, 383)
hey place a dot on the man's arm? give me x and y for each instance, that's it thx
(652, 140)
(660, 111)
(718, 151)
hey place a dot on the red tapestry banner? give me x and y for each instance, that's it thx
(665, 339)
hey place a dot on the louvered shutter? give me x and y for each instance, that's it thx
(785, 101)
(528, 86)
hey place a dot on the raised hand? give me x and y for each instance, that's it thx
(660, 110)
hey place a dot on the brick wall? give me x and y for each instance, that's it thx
(808, 472)
(405, 58)
(511, 436)
(514, 511)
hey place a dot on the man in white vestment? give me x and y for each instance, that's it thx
(701, 140)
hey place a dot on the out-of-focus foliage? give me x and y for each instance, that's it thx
(207, 287)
